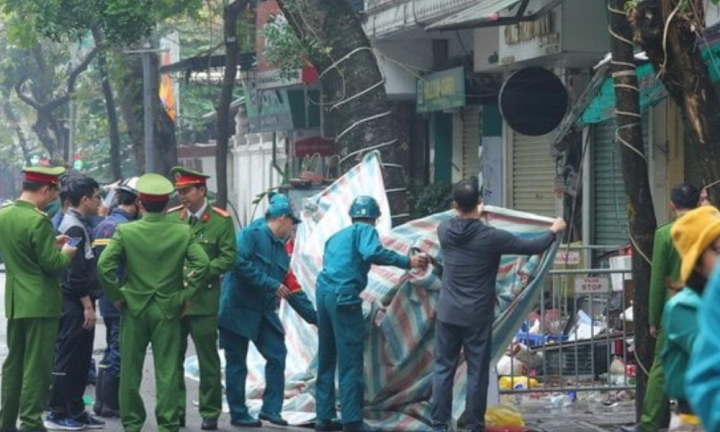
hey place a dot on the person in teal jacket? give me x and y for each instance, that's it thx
(680, 322)
(702, 380)
(249, 302)
(348, 256)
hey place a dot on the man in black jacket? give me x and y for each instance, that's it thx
(80, 288)
(465, 311)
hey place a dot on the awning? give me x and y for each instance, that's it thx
(246, 60)
(488, 14)
(597, 102)
(652, 90)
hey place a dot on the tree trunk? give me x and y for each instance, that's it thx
(131, 103)
(684, 74)
(131, 107)
(354, 90)
(166, 154)
(230, 19)
(113, 129)
(640, 210)
(15, 123)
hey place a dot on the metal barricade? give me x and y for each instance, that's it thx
(582, 329)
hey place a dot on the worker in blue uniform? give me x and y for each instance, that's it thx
(348, 256)
(107, 386)
(249, 302)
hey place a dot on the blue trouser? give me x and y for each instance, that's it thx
(476, 343)
(341, 334)
(271, 345)
(110, 362)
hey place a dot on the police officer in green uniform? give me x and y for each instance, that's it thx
(152, 299)
(214, 230)
(665, 275)
(34, 260)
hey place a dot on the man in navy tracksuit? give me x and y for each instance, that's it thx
(108, 381)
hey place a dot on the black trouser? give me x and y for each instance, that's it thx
(73, 351)
(475, 342)
(111, 356)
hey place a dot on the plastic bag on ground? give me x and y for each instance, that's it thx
(504, 416)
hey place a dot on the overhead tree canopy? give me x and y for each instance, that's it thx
(120, 21)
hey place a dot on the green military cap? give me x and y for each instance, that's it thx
(186, 177)
(154, 187)
(49, 175)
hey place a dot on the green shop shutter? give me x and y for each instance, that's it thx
(533, 175)
(610, 224)
(442, 141)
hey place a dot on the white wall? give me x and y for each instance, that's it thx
(409, 54)
(254, 174)
(486, 42)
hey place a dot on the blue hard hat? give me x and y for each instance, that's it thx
(364, 207)
(281, 206)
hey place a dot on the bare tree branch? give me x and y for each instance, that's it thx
(24, 96)
(72, 79)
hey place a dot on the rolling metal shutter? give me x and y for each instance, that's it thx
(533, 175)
(610, 223)
(471, 141)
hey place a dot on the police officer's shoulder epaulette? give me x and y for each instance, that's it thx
(41, 212)
(174, 209)
(221, 212)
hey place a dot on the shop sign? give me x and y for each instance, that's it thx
(441, 90)
(314, 145)
(268, 111)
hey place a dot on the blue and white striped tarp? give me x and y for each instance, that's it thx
(399, 306)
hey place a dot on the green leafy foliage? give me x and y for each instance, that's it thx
(121, 21)
(285, 50)
(425, 200)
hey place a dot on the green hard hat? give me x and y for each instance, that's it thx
(154, 187)
(364, 207)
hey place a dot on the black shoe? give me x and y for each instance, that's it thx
(209, 424)
(249, 422)
(275, 419)
(328, 425)
(182, 422)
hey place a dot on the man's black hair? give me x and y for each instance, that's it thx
(33, 186)
(685, 196)
(466, 195)
(155, 206)
(65, 181)
(125, 198)
(79, 187)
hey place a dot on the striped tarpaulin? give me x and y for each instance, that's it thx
(399, 306)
